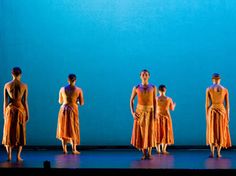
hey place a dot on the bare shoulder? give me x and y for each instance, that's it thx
(169, 99)
(208, 89)
(7, 84)
(152, 85)
(135, 87)
(24, 85)
(78, 89)
(225, 89)
(61, 89)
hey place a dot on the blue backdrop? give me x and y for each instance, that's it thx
(106, 43)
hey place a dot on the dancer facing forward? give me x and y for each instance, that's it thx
(143, 128)
(164, 130)
(16, 114)
(68, 130)
(217, 116)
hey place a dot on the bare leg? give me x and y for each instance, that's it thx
(144, 154)
(158, 148)
(149, 153)
(164, 149)
(64, 146)
(218, 152)
(7, 148)
(212, 148)
(74, 150)
(9, 153)
(19, 153)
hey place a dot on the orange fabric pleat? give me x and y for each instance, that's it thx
(143, 128)
(164, 130)
(14, 130)
(217, 132)
(68, 124)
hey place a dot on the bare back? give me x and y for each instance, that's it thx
(164, 104)
(71, 95)
(15, 90)
(217, 94)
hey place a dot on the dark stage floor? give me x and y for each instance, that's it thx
(119, 160)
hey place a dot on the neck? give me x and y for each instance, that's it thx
(16, 79)
(163, 94)
(144, 83)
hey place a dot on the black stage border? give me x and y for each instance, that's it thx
(111, 172)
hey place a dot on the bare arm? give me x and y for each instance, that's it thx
(227, 103)
(81, 98)
(5, 101)
(60, 100)
(133, 95)
(25, 97)
(154, 101)
(207, 103)
(172, 105)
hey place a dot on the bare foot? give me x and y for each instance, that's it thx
(76, 152)
(149, 157)
(166, 153)
(211, 156)
(219, 155)
(9, 158)
(65, 151)
(19, 159)
(158, 152)
(143, 157)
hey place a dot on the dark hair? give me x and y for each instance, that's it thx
(145, 70)
(215, 76)
(16, 71)
(72, 77)
(162, 88)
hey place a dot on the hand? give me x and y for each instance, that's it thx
(174, 104)
(134, 114)
(27, 118)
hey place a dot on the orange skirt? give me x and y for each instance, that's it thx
(217, 132)
(164, 130)
(68, 124)
(143, 128)
(14, 130)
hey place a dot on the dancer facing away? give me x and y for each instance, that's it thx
(164, 130)
(143, 128)
(217, 116)
(68, 130)
(16, 114)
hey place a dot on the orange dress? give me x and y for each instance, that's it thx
(68, 116)
(217, 131)
(163, 124)
(14, 130)
(143, 127)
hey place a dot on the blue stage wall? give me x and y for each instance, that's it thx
(106, 43)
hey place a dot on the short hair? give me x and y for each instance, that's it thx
(216, 76)
(162, 88)
(72, 77)
(145, 70)
(16, 71)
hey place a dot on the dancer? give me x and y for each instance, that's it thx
(68, 130)
(143, 128)
(217, 116)
(16, 114)
(164, 130)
